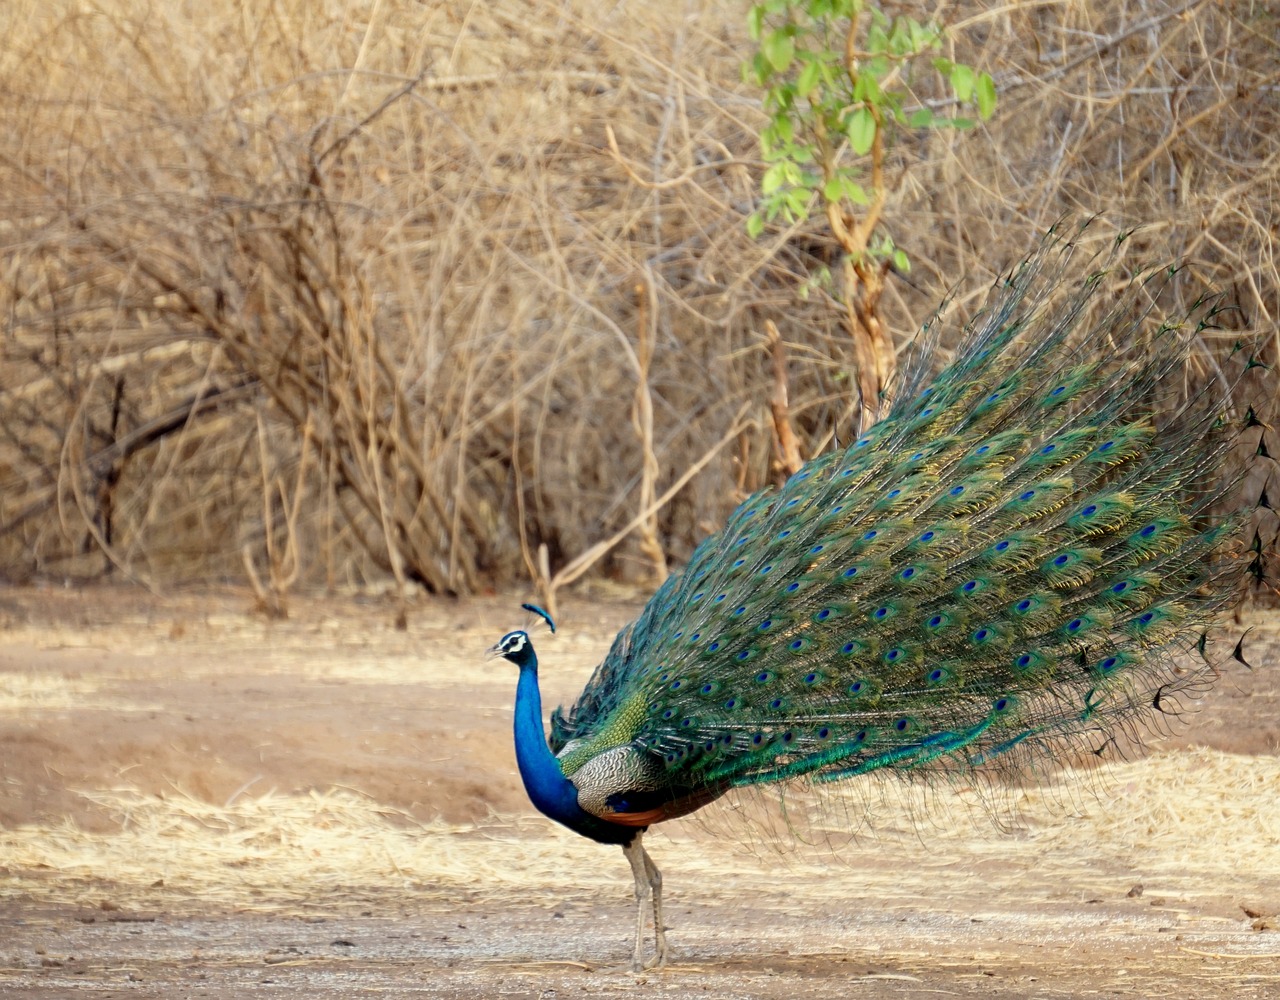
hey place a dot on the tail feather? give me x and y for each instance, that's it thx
(1013, 556)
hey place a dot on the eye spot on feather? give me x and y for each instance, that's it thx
(739, 564)
(766, 570)
(852, 571)
(765, 625)
(741, 609)
(1058, 391)
(902, 725)
(983, 450)
(926, 412)
(764, 677)
(1106, 446)
(792, 587)
(695, 637)
(982, 635)
(669, 713)
(956, 490)
(792, 502)
(908, 573)
(1120, 587)
(784, 534)
(1148, 531)
(1090, 510)
(1048, 449)
(1027, 495)
(816, 549)
(796, 645)
(1024, 605)
(917, 456)
(892, 655)
(928, 536)
(823, 733)
(811, 678)
(720, 597)
(1075, 624)
(1109, 664)
(757, 739)
(935, 621)
(970, 586)
(869, 535)
(744, 654)
(1001, 546)
(675, 685)
(1061, 560)
(1145, 619)
(708, 688)
(857, 687)
(775, 704)
(1024, 660)
(697, 596)
(880, 613)
(848, 648)
(823, 615)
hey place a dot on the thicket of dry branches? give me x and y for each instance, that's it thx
(326, 291)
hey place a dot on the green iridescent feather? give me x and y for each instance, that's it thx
(1006, 561)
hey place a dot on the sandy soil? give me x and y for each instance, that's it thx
(197, 802)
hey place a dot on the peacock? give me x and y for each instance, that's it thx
(1017, 560)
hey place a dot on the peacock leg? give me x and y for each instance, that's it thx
(637, 858)
(659, 932)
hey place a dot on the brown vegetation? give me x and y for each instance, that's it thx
(333, 297)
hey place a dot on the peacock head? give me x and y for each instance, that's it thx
(516, 647)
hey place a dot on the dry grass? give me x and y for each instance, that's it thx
(342, 290)
(1188, 824)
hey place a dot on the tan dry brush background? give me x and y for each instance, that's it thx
(335, 289)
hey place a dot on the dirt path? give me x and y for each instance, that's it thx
(196, 802)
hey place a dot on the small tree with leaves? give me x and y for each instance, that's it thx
(836, 76)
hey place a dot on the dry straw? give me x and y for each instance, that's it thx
(1188, 824)
(340, 291)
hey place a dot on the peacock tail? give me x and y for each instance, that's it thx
(1011, 560)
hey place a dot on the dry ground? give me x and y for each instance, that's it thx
(195, 802)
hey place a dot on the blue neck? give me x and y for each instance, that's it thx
(551, 792)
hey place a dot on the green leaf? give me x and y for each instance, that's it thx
(962, 82)
(808, 79)
(861, 131)
(773, 178)
(960, 123)
(986, 93)
(780, 48)
(901, 261)
(921, 118)
(855, 193)
(755, 225)
(755, 22)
